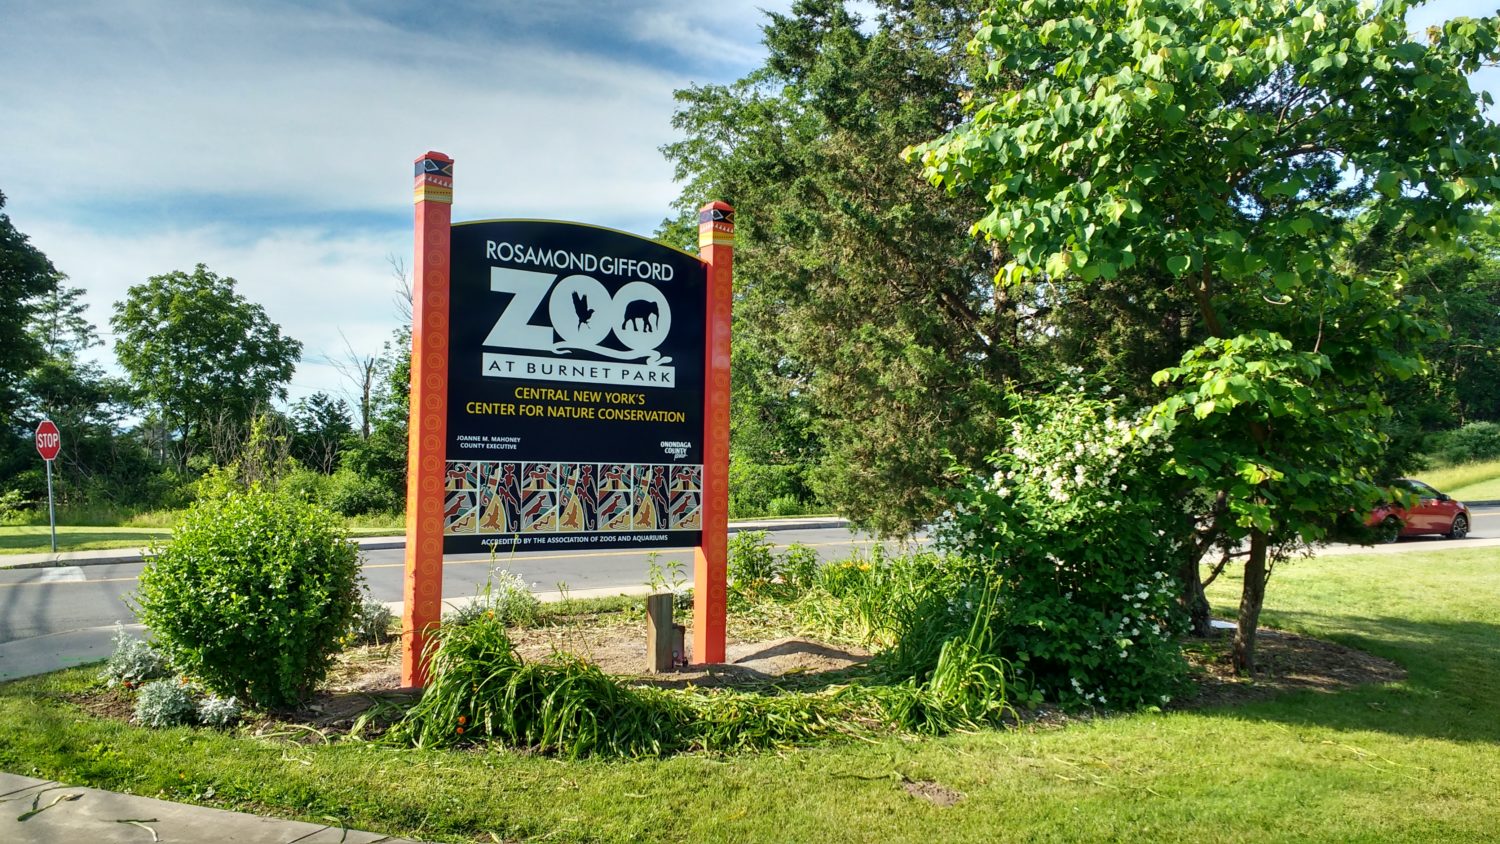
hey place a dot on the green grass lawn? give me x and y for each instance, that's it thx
(33, 539)
(1483, 491)
(36, 539)
(1417, 760)
(1467, 481)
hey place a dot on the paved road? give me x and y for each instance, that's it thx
(68, 612)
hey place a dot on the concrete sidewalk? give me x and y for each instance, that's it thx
(113, 556)
(36, 811)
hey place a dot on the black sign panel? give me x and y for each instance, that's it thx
(575, 390)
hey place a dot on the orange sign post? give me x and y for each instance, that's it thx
(501, 450)
(423, 592)
(710, 575)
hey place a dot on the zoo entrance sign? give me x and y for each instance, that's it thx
(570, 390)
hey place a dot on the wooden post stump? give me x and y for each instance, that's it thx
(659, 633)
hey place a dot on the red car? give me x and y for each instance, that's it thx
(1434, 512)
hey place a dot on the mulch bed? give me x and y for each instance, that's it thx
(370, 677)
(1285, 662)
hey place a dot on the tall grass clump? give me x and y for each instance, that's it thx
(965, 684)
(480, 689)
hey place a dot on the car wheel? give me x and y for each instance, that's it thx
(1460, 527)
(1389, 530)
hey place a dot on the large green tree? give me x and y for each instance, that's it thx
(200, 355)
(868, 338)
(26, 279)
(1235, 146)
(99, 461)
(320, 431)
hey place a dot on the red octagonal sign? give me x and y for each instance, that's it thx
(48, 440)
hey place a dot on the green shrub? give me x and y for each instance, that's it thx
(252, 595)
(13, 503)
(786, 505)
(219, 712)
(165, 703)
(302, 482)
(1472, 443)
(352, 494)
(799, 567)
(751, 564)
(133, 661)
(372, 622)
(758, 489)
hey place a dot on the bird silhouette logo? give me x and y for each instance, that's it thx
(581, 307)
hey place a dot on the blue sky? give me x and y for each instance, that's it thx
(273, 140)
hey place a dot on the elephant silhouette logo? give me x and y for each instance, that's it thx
(640, 311)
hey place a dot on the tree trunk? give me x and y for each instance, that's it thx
(1251, 598)
(1192, 598)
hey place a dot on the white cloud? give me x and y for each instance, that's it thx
(235, 110)
(323, 112)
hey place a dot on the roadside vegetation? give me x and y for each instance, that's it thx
(1403, 761)
(1194, 360)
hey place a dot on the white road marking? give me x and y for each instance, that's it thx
(66, 574)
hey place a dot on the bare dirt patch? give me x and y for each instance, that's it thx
(935, 793)
(621, 650)
(114, 702)
(1285, 662)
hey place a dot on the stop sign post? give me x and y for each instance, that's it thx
(49, 445)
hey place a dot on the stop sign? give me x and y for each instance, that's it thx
(48, 440)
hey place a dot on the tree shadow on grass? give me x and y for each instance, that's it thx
(1451, 691)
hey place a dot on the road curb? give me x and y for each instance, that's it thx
(373, 543)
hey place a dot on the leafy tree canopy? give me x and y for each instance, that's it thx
(320, 427)
(1237, 145)
(26, 278)
(868, 338)
(199, 353)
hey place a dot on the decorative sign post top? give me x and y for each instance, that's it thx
(48, 440)
(434, 179)
(715, 225)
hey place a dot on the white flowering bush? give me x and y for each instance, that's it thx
(1076, 523)
(506, 598)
